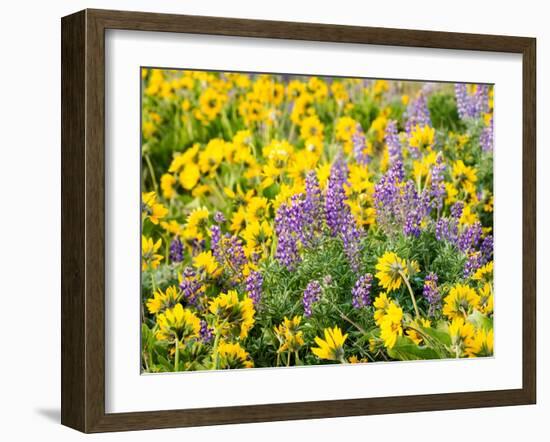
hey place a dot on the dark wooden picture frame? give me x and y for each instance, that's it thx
(83, 219)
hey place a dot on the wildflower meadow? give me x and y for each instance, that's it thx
(295, 220)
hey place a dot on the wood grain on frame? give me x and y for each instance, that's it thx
(83, 219)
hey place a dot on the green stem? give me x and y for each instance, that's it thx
(215, 346)
(153, 284)
(177, 356)
(407, 283)
(345, 318)
(151, 172)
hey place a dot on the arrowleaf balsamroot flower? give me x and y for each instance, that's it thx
(232, 355)
(290, 337)
(233, 317)
(163, 300)
(152, 210)
(390, 325)
(150, 259)
(390, 270)
(460, 301)
(332, 347)
(178, 324)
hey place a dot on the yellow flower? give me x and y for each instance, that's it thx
(468, 217)
(238, 220)
(345, 129)
(212, 156)
(484, 273)
(323, 173)
(290, 338)
(339, 91)
(421, 168)
(390, 269)
(390, 325)
(172, 227)
(257, 209)
(378, 127)
(380, 86)
(178, 324)
(414, 335)
(206, 262)
(152, 210)
(197, 222)
(332, 347)
(381, 304)
(189, 176)
(186, 157)
(422, 137)
(233, 317)
(481, 344)
(462, 173)
(167, 182)
(462, 333)
(311, 127)
(163, 300)
(239, 197)
(486, 299)
(258, 234)
(232, 356)
(149, 257)
(451, 192)
(460, 301)
(251, 110)
(211, 103)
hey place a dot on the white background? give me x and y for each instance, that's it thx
(128, 391)
(30, 267)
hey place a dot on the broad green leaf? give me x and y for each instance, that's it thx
(406, 350)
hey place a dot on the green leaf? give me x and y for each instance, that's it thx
(439, 335)
(406, 350)
(480, 320)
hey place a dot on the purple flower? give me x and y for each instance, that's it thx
(486, 137)
(253, 283)
(206, 333)
(335, 207)
(392, 140)
(471, 106)
(351, 240)
(361, 291)
(437, 185)
(339, 218)
(431, 291)
(473, 262)
(359, 144)
(191, 286)
(399, 206)
(469, 237)
(215, 238)
(418, 112)
(228, 251)
(486, 249)
(312, 294)
(457, 209)
(287, 248)
(176, 250)
(312, 212)
(219, 217)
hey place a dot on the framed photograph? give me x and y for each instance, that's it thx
(266, 220)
